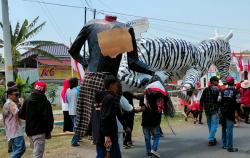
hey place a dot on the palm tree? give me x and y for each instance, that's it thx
(21, 40)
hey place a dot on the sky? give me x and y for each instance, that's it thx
(64, 23)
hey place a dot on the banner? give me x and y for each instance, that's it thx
(55, 72)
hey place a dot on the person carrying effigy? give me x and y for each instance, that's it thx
(107, 40)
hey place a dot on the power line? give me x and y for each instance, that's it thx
(51, 21)
(87, 3)
(56, 24)
(137, 16)
(55, 4)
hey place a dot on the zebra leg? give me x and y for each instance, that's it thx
(192, 76)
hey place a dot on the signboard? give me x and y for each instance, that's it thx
(140, 26)
(55, 72)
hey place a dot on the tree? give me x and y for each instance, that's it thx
(21, 40)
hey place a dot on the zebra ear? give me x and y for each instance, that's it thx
(229, 36)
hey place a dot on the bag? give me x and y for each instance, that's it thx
(228, 98)
(154, 98)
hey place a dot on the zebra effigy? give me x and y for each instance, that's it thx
(177, 59)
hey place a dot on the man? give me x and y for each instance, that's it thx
(209, 100)
(37, 112)
(228, 114)
(10, 84)
(108, 140)
(12, 124)
(100, 64)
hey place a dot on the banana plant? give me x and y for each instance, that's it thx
(21, 40)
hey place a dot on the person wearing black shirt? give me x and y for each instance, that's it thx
(228, 114)
(209, 101)
(107, 142)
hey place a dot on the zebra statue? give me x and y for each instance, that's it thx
(178, 59)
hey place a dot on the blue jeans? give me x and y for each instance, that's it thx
(212, 123)
(73, 119)
(155, 131)
(75, 138)
(114, 150)
(18, 147)
(227, 133)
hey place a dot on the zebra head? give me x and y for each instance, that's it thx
(223, 61)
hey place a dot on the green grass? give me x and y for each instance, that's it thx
(54, 145)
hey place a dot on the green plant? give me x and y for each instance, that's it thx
(51, 91)
(21, 37)
(2, 91)
(24, 87)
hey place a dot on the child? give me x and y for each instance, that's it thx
(71, 99)
(228, 114)
(108, 140)
(151, 118)
(195, 104)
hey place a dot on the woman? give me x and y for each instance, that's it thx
(245, 99)
(68, 125)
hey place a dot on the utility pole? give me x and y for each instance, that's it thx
(7, 42)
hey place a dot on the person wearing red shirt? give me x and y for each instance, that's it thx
(245, 99)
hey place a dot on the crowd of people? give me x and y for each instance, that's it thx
(112, 116)
(113, 112)
(225, 105)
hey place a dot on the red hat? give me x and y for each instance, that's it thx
(230, 79)
(237, 86)
(40, 86)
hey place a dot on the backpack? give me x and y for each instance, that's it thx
(154, 98)
(228, 98)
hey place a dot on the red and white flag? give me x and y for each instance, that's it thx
(235, 61)
(248, 65)
(78, 68)
(241, 62)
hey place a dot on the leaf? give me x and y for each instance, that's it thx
(33, 23)
(17, 28)
(21, 35)
(33, 32)
(27, 80)
(38, 43)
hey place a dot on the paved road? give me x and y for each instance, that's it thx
(189, 142)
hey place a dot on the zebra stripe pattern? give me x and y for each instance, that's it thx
(178, 59)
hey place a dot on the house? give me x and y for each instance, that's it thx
(41, 67)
